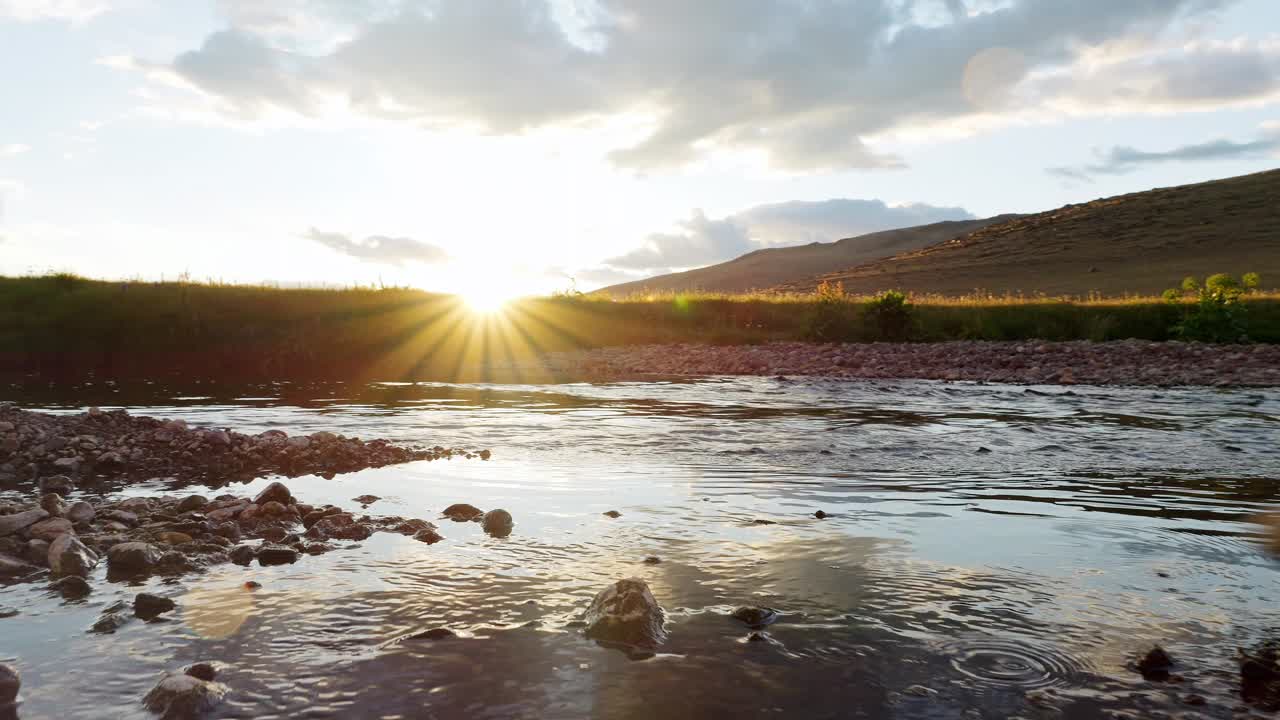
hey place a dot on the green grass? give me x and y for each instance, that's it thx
(66, 325)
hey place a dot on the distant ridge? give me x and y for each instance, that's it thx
(769, 267)
(1142, 242)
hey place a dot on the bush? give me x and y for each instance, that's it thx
(1172, 295)
(888, 315)
(1251, 280)
(830, 318)
(1222, 282)
(1218, 315)
(1189, 284)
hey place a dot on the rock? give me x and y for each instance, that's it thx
(759, 521)
(49, 530)
(276, 555)
(179, 695)
(60, 484)
(428, 536)
(10, 565)
(612, 514)
(920, 691)
(497, 523)
(243, 555)
(757, 636)
(228, 530)
(754, 617)
(10, 683)
(53, 504)
(123, 517)
(1195, 700)
(133, 557)
(79, 512)
(272, 509)
(252, 585)
(821, 515)
(38, 552)
(206, 671)
(173, 538)
(338, 527)
(652, 560)
(367, 499)
(276, 492)
(462, 512)
(109, 623)
(433, 634)
(626, 613)
(147, 606)
(7, 611)
(10, 524)
(192, 502)
(1155, 665)
(412, 526)
(71, 586)
(68, 556)
(485, 454)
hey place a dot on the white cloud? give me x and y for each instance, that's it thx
(1120, 159)
(71, 10)
(382, 249)
(13, 149)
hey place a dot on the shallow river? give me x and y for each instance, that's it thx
(991, 551)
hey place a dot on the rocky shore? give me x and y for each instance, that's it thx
(1125, 362)
(101, 443)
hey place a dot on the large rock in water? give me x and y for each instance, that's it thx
(10, 681)
(10, 524)
(49, 530)
(133, 556)
(626, 613)
(277, 492)
(497, 523)
(69, 556)
(178, 696)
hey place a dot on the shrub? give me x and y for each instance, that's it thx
(888, 315)
(1222, 282)
(1189, 284)
(1172, 295)
(1218, 315)
(1251, 280)
(830, 319)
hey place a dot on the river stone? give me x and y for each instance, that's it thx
(613, 514)
(69, 556)
(133, 556)
(207, 671)
(121, 516)
(754, 617)
(60, 484)
(192, 502)
(179, 695)
(626, 613)
(428, 536)
(10, 524)
(276, 555)
(49, 530)
(72, 586)
(13, 566)
(242, 555)
(37, 552)
(340, 526)
(276, 492)
(173, 538)
(10, 682)
(53, 504)
(147, 606)
(462, 512)
(80, 512)
(497, 523)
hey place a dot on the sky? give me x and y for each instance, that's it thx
(528, 146)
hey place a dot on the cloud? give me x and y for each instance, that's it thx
(1122, 159)
(9, 190)
(703, 241)
(13, 149)
(805, 84)
(72, 10)
(380, 248)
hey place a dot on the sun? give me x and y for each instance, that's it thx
(484, 301)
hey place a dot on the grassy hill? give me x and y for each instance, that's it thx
(774, 266)
(1138, 243)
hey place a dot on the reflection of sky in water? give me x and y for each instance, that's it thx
(984, 576)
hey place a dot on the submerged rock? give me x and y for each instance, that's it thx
(179, 695)
(462, 512)
(147, 606)
(68, 556)
(428, 536)
(754, 617)
(71, 587)
(626, 613)
(133, 557)
(433, 634)
(1156, 664)
(612, 513)
(10, 683)
(367, 499)
(497, 523)
(206, 671)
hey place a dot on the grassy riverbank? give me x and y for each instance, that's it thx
(64, 325)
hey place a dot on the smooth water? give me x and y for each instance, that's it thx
(1006, 549)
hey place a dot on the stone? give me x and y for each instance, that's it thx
(462, 512)
(133, 557)
(10, 683)
(821, 515)
(173, 538)
(10, 565)
(626, 613)
(38, 552)
(412, 526)
(243, 555)
(71, 586)
(272, 509)
(109, 623)
(135, 505)
(367, 499)
(754, 617)
(68, 556)
(497, 523)
(276, 555)
(147, 606)
(10, 524)
(433, 634)
(613, 514)
(53, 504)
(49, 530)
(428, 536)
(277, 492)
(179, 695)
(206, 671)
(228, 530)
(60, 484)
(123, 517)
(1155, 665)
(192, 502)
(338, 527)
(79, 513)
(652, 560)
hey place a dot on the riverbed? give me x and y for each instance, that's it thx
(987, 551)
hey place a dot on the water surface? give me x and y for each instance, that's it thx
(991, 551)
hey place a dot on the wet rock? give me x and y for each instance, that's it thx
(485, 454)
(60, 484)
(276, 492)
(10, 565)
(147, 606)
(109, 623)
(175, 562)
(49, 530)
(173, 538)
(758, 636)
(242, 555)
(612, 513)
(462, 512)
(252, 585)
(276, 555)
(133, 557)
(228, 530)
(53, 504)
(79, 513)
(433, 634)
(428, 536)
(759, 521)
(179, 695)
(38, 552)
(8, 611)
(68, 556)
(821, 515)
(206, 671)
(192, 502)
(10, 683)
(413, 526)
(1155, 664)
(274, 534)
(272, 509)
(497, 523)
(626, 613)
(10, 524)
(652, 560)
(71, 587)
(1194, 700)
(367, 499)
(340, 526)
(123, 517)
(754, 617)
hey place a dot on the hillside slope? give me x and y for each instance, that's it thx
(1138, 243)
(773, 266)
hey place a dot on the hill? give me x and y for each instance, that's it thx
(1138, 243)
(773, 266)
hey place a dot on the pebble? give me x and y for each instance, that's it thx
(613, 514)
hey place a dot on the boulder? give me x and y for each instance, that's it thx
(48, 530)
(10, 682)
(133, 557)
(243, 555)
(192, 502)
(69, 556)
(341, 526)
(10, 565)
(147, 606)
(497, 523)
(79, 513)
(428, 536)
(71, 586)
(626, 613)
(53, 504)
(10, 524)
(179, 695)
(60, 484)
(276, 555)
(38, 552)
(276, 492)
(462, 512)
